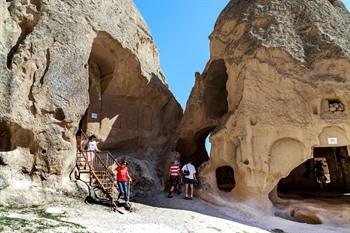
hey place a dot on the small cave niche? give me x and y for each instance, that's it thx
(13, 136)
(215, 93)
(225, 179)
(332, 106)
(2, 162)
(302, 180)
(194, 149)
(5, 134)
(332, 1)
(59, 114)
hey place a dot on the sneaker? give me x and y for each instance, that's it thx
(170, 195)
(190, 198)
(127, 206)
(187, 198)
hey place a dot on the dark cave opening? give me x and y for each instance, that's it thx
(193, 149)
(225, 178)
(302, 180)
(215, 93)
(13, 136)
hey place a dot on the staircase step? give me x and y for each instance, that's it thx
(84, 171)
(106, 184)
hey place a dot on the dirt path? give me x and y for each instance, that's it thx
(156, 214)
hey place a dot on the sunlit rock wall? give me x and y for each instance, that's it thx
(276, 86)
(56, 58)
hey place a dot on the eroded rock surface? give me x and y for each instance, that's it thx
(276, 87)
(56, 58)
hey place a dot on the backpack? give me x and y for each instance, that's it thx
(186, 172)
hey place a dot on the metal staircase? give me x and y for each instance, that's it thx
(100, 178)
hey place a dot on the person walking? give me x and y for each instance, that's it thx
(189, 172)
(123, 180)
(174, 174)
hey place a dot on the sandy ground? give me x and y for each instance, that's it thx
(241, 213)
(157, 214)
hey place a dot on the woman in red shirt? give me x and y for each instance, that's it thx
(123, 178)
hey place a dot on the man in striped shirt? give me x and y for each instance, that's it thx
(174, 174)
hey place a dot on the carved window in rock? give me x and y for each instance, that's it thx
(332, 106)
(225, 179)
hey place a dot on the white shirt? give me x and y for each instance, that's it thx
(92, 145)
(191, 169)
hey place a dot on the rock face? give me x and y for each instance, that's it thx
(56, 58)
(274, 94)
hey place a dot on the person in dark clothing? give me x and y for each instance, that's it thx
(320, 176)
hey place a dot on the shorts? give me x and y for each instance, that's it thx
(189, 181)
(175, 180)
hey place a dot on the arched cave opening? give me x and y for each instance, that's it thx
(215, 93)
(208, 144)
(101, 66)
(225, 178)
(119, 113)
(193, 149)
(302, 180)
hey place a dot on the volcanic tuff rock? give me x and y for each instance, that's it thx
(50, 51)
(276, 69)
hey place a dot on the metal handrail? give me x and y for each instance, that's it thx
(94, 167)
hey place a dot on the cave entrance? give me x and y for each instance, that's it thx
(225, 179)
(194, 149)
(215, 93)
(101, 66)
(208, 144)
(336, 165)
(119, 113)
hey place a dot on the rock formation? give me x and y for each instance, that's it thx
(274, 94)
(56, 58)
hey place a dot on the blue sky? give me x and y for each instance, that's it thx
(180, 29)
